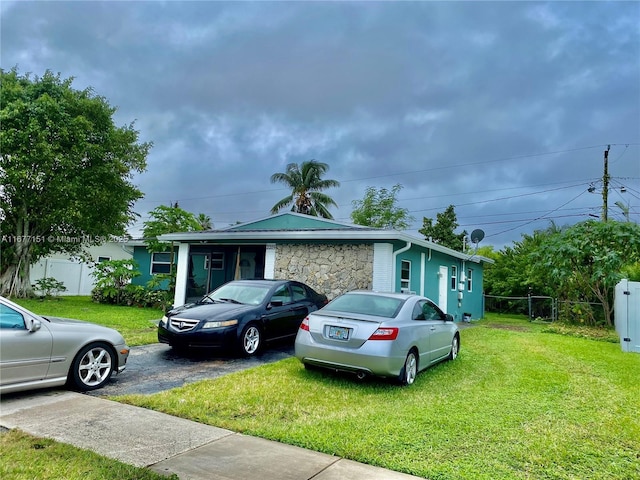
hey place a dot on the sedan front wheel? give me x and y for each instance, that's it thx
(251, 340)
(92, 367)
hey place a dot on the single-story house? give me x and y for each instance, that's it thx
(75, 272)
(330, 256)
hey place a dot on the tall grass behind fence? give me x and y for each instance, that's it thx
(547, 308)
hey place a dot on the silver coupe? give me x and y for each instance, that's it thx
(384, 334)
(40, 352)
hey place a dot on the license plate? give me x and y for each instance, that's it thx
(339, 333)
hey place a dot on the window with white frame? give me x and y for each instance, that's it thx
(215, 261)
(469, 280)
(454, 277)
(103, 259)
(405, 276)
(160, 263)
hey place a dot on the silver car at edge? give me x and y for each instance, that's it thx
(384, 334)
(41, 352)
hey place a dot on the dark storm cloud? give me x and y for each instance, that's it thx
(500, 108)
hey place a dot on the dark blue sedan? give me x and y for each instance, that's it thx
(242, 315)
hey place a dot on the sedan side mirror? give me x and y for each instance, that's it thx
(33, 325)
(448, 317)
(275, 303)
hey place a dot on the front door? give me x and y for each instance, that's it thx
(442, 288)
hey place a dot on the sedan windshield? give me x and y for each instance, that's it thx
(376, 305)
(236, 293)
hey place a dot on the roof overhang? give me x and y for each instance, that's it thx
(364, 235)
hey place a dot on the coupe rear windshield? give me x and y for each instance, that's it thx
(378, 306)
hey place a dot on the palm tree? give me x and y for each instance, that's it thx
(204, 221)
(306, 189)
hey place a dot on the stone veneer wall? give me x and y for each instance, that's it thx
(329, 269)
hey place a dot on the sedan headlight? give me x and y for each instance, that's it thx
(164, 321)
(219, 324)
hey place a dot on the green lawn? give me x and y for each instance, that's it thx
(24, 457)
(135, 324)
(522, 401)
(518, 403)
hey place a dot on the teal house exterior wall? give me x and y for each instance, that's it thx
(142, 256)
(425, 279)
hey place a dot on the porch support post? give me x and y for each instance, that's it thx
(182, 272)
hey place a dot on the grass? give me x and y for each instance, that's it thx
(518, 403)
(135, 324)
(23, 456)
(523, 400)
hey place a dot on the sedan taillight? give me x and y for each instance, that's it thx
(388, 333)
(305, 324)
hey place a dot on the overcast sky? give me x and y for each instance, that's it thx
(503, 109)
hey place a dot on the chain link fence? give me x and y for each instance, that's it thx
(547, 308)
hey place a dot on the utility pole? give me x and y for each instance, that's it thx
(605, 185)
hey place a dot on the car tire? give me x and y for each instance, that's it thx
(250, 340)
(92, 367)
(455, 348)
(409, 370)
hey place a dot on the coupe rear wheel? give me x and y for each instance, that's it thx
(251, 340)
(92, 367)
(455, 348)
(410, 369)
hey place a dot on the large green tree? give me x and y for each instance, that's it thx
(513, 273)
(306, 184)
(378, 209)
(66, 172)
(170, 219)
(443, 231)
(589, 258)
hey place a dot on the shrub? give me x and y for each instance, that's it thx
(112, 277)
(49, 287)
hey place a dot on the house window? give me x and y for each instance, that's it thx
(405, 276)
(160, 263)
(215, 261)
(454, 277)
(469, 281)
(103, 259)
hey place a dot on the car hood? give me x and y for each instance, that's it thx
(72, 325)
(210, 311)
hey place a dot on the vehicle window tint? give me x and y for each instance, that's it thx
(9, 318)
(248, 294)
(282, 295)
(418, 313)
(430, 312)
(379, 306)
(299, 293)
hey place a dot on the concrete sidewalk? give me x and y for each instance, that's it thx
(168, 444)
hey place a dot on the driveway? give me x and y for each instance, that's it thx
(157, 367)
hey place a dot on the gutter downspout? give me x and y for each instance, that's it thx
(395, 263)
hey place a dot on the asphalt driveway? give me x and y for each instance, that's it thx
(157, 367)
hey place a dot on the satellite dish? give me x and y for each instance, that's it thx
(477, 236)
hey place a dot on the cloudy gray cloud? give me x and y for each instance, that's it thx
(502, 109)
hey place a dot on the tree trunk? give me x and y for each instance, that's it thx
(14, 279)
